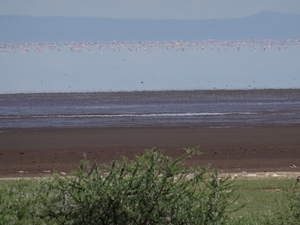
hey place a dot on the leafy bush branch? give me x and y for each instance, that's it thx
(151, 189)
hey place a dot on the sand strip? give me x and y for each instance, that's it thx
(32, 152)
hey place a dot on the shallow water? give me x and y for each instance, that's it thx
(213, 108)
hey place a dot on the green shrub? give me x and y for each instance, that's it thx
(152, 189)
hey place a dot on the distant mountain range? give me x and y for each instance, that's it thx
(264, 25)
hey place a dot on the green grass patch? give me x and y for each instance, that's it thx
(262, 197)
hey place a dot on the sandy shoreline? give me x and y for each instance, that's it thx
(32, 152)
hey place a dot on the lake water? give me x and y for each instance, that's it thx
(211, 108)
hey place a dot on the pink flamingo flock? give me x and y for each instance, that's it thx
(148, 46)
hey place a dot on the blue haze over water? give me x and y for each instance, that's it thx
(77, 54)
(81, 72)
(140, 66)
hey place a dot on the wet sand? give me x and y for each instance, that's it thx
(35, 152)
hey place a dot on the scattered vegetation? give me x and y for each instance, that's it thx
(151, 189)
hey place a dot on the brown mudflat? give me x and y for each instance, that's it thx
(35, 152)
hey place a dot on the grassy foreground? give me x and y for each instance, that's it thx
(267, 201)
(152, 189)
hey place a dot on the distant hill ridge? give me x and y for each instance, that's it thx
(264, 25)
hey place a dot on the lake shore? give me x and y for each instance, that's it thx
(35, 152)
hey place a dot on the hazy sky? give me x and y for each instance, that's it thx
(67, 71)
(158, 9)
